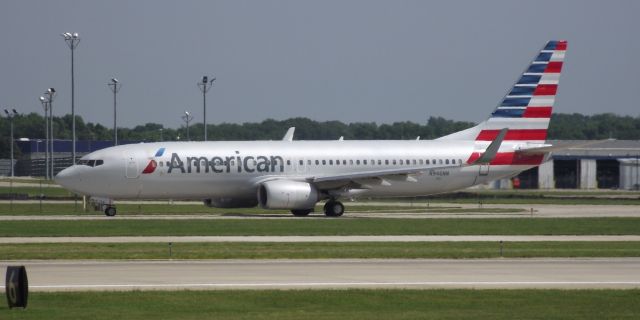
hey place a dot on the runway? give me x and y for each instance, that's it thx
(297, 239)
(323, 274)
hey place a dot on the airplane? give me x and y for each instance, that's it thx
(296, 175)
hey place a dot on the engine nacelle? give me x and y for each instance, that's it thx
(231, 202)
(287, 194)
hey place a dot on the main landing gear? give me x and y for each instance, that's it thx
(110, 211)
(333, 208)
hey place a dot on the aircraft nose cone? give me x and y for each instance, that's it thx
(67, 178)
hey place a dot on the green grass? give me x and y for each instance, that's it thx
(332, 304)
(322, 226)
(313, 250)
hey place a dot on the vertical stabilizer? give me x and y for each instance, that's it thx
(526, 109)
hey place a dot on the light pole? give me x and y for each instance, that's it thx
(115, 86)
(11, 115)
(205, 86)
(45, 106)
(72, 40)
(161, 137)
(187, 117)
(50, 94)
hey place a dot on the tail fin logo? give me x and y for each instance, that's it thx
(526, 109)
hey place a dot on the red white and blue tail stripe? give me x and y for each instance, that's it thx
(526, 109)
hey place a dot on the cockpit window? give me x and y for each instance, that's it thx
(91, 163)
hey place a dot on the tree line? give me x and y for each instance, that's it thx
(563, 126)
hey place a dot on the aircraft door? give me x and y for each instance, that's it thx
(484, 170)
(132, 167)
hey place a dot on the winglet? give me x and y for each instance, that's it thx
(289, 135)
(491, 151)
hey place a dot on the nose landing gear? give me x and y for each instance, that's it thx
(110, 211)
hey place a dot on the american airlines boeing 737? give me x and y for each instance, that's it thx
(295, 175)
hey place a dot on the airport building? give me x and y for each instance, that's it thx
(612, 164)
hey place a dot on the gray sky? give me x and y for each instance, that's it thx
(353, 61)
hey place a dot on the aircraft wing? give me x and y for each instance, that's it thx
(378, 173)
(289, 135)
(405, 174)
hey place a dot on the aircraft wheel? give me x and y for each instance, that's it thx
(333, 208)
(301, 212)
(110, 211)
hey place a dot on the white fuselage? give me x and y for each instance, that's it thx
(234, 169)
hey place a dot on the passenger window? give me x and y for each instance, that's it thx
(331, 162)
(288, 162)
(379, 162)
(408, 162)
(161, 164)
(351, 162)
(317, 162)
(324, 162)
(414, 161)
(401, 161)
(394, 162)
(364, 161)
(421, 161)
(344, 162)
(460, 161)
(358, 162)
(426, 161)
(309, 162)
(440, 161)
(301, 162)
(446, 161)
(386, 162)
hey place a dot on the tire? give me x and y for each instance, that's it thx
(110, 211)
(301, 212)
(333, 208)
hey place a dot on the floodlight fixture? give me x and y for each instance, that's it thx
(205, 86)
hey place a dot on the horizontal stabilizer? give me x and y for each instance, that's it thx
(554, 148)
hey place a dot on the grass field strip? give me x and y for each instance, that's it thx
(299, 239)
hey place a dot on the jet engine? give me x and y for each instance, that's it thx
(287, 194)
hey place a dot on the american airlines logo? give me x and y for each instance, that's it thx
(218, 164)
